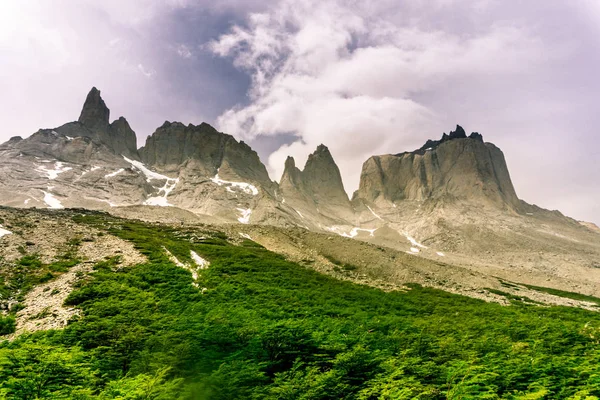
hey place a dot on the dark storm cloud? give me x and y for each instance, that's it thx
(363, 79)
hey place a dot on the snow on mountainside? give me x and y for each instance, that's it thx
(451, 198)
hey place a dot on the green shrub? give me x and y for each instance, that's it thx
(7, 324)
(31, 261)
(260, 327)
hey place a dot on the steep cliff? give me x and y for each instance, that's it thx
(205, 151)
(454, 169)
(94, 123)
(317, 190)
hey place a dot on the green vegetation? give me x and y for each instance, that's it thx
(7, 324)
(562, 293)
(260, 327)
(512, 297)
(344, 266)
(17, 279)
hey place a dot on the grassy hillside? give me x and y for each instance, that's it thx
(254, 326)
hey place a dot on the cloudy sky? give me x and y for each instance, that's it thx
(361, 77)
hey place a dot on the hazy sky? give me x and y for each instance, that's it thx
(361, 77)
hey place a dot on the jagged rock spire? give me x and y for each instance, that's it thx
(94, 115)
(322, 176)
(458, 133)
(318, 187)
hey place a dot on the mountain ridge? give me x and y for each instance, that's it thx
(450, 199)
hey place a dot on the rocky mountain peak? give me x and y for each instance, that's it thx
(476, 136)
(318, 186)
(203, 151)
(95, 114)
(122, 138)
(463, 168)
(458, 133)
(320, 155)
(290, 163)
(322, 175)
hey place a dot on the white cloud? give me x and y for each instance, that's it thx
(148, 73)
(184, 51)
(336, 73)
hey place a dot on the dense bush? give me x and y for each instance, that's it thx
(7, 324)
(260, 327)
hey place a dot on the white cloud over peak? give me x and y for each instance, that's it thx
(337, 73)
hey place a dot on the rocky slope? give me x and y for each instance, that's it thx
(95, 164)
(451, 200)
(216, 175)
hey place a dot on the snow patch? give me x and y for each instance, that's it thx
(114, 173)
(161, 197)
(52, 174)
(439, 253)
(414, 250)
(353, 232)
(200, 262)
(413, 241)
(52, 201)
(69, 138)
(150, 175)
(245, 236)
(26, 201)
(245, 218)
(174, 259)
(373, 212)
(4, 232)
(244, 186)
(94, 168)
(299, 213)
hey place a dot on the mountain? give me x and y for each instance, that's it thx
(455, 168)
(216, 175)
(79, 164)
(95, 164)
(452, 199)
(316, 193)
(94, 124)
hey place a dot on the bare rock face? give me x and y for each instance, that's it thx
(94, 115)
(453, 197)
(322, 179)
(217, 175)
(79, 164)
(122, 139)
(320, 182)
(94, 124)
(316, 193)
(204, 150)
(458, 168)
